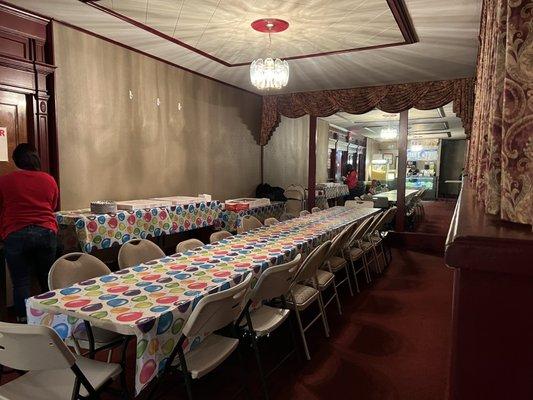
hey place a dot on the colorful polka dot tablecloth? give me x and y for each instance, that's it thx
(231, 220)
(82, 229)
(153, 300)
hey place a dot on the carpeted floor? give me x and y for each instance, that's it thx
(438, 217)
(391, 343)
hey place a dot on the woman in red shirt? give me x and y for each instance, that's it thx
(28, 198)
(351, 180)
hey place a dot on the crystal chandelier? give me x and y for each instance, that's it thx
(269, 73)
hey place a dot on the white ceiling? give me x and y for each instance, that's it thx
(447, 32)
(222, 29)
(423, 124)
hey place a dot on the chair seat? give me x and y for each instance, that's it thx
(324, 278)
(303, 296)
(336, 263)
(365, 246)
(355, 254)
(102, 337)
(266, 319)
(209, 354)
(57, 384)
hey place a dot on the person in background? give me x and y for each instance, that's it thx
(28, 198)
(351, 181)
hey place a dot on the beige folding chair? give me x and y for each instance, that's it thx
(303, 213)
(78, 267)
(353, 253)
(271, 221)
(218, 236)
(315, 209)
(295, 195)
(301, 296)
(53, 372)
(213, 312)
(335, 261)
(274, 282)
(387, 220)
(248, 223)
(189, 244)
(369, 247)
(286, 217)
(138, 251)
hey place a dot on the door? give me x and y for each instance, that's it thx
(13, 118)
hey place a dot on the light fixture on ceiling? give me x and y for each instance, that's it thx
(269, 73)
(388, 133)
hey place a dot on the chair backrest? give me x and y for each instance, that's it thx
(387, 218)
(275, 281)
(218, 236)
(372, 227)
(351, 204)
(248, 223)
(340, 240)
(33, 347)
(359, 232)
(286, 217)
(315, 209)
(271, 221)
(303, 213)
(215, 311)
(189, 244)
(138, 251)
(73, 268)
(313, 262)
(295, 199)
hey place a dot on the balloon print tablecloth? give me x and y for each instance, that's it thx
(101, 231)
(231, 220)
(153, 300)
(334, 191)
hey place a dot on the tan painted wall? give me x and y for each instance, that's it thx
(111, 147)
(286, 154)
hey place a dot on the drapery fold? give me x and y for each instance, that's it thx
(389, 98)
(500, 160)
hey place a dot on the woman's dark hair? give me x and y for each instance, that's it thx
(25, 157)
(349, 168)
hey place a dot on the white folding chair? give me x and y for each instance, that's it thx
(218, 236)
(53, 372)
(248, 223)
(295, 195)
(353, 253)
(315, 209)
(274, 282)
(78, 267)
(301, 296)
(189, 244)
(271, 221)
(213, 311)
(303, 213)
(335, 261)
(138, 251)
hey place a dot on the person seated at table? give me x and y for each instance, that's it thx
(351, 181)
(28, 198)
(375, 187)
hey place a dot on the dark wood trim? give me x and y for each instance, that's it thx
(484, 242)
(262, 164)
(311, 173)
(402, 170)
(129, 48)
(403, 19)
(397, 8)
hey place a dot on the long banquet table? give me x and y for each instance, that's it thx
(392, 195)
(83, 230)
(153, 300)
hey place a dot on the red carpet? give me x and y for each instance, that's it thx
(438, 217)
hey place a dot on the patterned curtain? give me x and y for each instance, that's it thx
(390, 98)
(501, 148)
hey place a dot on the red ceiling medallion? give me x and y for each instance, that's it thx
(272, 25)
